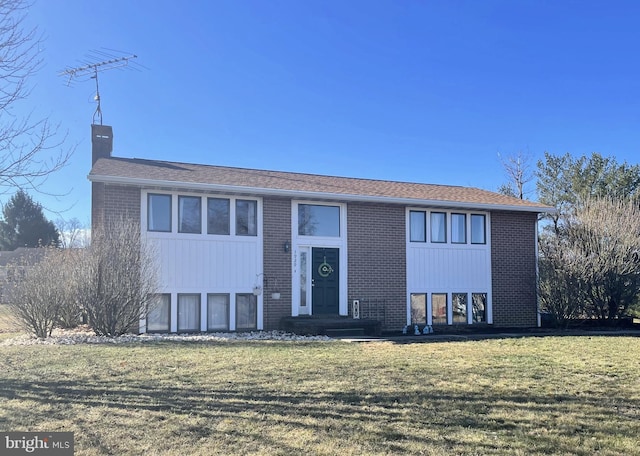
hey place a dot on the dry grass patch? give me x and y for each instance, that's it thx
(8, 325)
(554, 395)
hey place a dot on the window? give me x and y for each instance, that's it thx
(459, 228)
(479, 307)
(246, 218)
(438, 227)
(417, 226)
(189, 312)
(159, 213)
(459, 304)
(316, 220)
(303, 280)
(189, 214)
(217, 216)
(158, 317)
(246, 311)
(418, 309)
(217, 312)
(439, 308)
(478, 235)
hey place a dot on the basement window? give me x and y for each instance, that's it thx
(217, 312)
(188, 313)
(158, 317)
(479, 307)
(439, 308)
(246, 312)
(459, 304)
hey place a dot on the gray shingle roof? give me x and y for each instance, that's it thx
(150, 173)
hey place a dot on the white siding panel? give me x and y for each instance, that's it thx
(447, 269)
(207, 264)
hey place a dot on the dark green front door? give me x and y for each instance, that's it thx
(324, 272)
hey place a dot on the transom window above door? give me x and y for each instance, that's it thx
(318, 220)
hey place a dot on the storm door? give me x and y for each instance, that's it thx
(325, 281)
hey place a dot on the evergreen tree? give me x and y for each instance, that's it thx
(25, 225)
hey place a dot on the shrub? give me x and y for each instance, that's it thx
(37, 299)
(117, 279)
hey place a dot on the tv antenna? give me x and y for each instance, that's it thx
(90, 70)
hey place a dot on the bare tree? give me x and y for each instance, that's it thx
(73, 234)
(27, 145)
(519, 173)
(118, 278)
(606, 235)
(592, 265)
(561, 285)
(47, 287)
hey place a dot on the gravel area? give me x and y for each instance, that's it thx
(85, 336)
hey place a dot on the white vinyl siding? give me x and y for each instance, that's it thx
(448, 268)
(205, 264)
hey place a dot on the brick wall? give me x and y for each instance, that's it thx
(513, 268)
(377, 258)
(277, 262)
(110, 202)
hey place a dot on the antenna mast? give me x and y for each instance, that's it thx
(91, 70)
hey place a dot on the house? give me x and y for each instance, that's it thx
(242, 249)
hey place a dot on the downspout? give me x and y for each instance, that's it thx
(537, 277)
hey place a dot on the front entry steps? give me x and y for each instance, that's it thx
(332, 326)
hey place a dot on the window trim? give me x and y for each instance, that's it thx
(255, 303)
(158, 331)
(447, 307)
(299, 205)
(227, 326)
(424, 227)
(484, 229)
(149, 197)
(464, 225)
(255, 215)
(193, 197)
(486, 308)
(431, 224)
(466, 308)
(199, 319)
(228, 230)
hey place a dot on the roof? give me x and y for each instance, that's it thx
(156, 174)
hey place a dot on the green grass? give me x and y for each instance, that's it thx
(551, 395)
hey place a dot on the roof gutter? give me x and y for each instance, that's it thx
(153, 183)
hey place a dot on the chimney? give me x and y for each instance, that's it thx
(101, 142)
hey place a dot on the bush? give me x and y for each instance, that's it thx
(117, 279)
(47, 287)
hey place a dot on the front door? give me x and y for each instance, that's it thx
(325, 281)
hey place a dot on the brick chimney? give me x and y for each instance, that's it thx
(101, 142)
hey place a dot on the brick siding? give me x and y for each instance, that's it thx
(377, 259)
(110, 202)
(277, 262)
(513, 268)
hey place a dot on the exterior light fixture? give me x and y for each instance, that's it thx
(286, 246)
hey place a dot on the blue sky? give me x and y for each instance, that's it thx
(423, 91)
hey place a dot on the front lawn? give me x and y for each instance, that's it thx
(546, 395)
